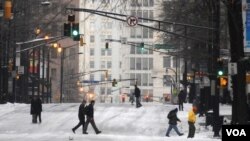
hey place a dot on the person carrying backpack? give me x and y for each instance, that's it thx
(172, 116)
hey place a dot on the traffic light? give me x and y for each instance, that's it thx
(107, 45)
(71, 18)
(75, 32)
(223, 81)
(67, 29)
(114, 83)
(220, 68)
(7, 9)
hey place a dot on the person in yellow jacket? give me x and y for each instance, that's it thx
(191, 121)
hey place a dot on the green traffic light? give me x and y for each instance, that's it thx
(220, 73)
(75, 33)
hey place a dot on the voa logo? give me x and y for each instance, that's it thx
(236, 132)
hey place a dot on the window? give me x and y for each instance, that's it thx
(151, 33)
(151, 2)
(103, 52)
(109, 51)
(109, 64)
(92, 38)
(150, 81)
(92, 26)
(91, 77)
(139, 14)
(145, 15)
(138, 77)
(102, 90)
(138, 63)
(92, 64)
(102, 38)
(144, 79)
(166, 62)
(102, 77)
(175, 63)
(145, 63)
(103, 64)
(150, 63)
(151, 14)
(132, 32)
(133, 12)
(132, 63)
(132, 49)
(93, 1)
(138, 32)
(145, 32)
(145, 3)
(132, 82)
(92, 52)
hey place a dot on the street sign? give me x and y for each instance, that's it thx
(132, 21)
(20, 70)
(164, 46)
(232, 68)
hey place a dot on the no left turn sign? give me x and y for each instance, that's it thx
(132, 21)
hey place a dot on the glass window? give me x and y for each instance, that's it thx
(138, 63)
(150, 63)
(102, 38)
(132, 63)
(103, 64)
(145, 32)
(138, 77)
(102, 77)
(166, 62)
(150, 81)
(174, 62)
(132, 82)
(144, 79)
(132, 49)
(91, 77)
(151, 33)
(145, 63)
(151, 2)
(109, 91)
(133, 12)
(92, 64)
(109, 51)
(92, 38)
(145, 3)
(151, 15)
(102, 90)
(138, 50)
(132, 32)
(133, 3)
(145, 15)
(109, 64)
(103, 51)
(92, 51)
(139, 14)
(138, 32)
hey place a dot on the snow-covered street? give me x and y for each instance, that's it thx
(118, 122)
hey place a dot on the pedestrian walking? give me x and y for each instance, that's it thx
(181, 99)
(90, 118)
(172, 116)
(81, 116)
(36, 109)
(191, 121)
(131, 98)
(137, 97)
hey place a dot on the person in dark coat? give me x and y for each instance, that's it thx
(81, 116)
(172, 116)
(90, 118)
(137, 97)
(181, 99)
(36, 109)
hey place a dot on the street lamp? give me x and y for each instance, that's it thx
(62, 62)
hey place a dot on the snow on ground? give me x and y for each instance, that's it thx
(118, 122)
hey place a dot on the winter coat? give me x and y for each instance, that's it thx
(90, 111)
(172, 116)
(191, 116)
(181, 97)
(81, 112)
(36, 106)
(137, 92)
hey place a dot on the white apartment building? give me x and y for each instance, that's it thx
(121, 60)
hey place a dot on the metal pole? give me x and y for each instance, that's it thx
(48, 70)
(61, 81)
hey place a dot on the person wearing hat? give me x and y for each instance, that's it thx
(172, 116)
(191, 121)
